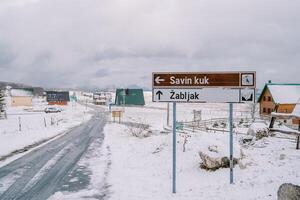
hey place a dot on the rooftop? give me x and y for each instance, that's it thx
(283, 93)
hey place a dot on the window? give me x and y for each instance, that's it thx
(264, 98)
(269, 99)
(269, 110)
(264, 110)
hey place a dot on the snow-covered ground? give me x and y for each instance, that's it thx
(127, 167)
(142, 167)
(36, 125)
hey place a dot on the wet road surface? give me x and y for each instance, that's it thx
(45, 170)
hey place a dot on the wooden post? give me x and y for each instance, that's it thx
(45, 122)
(298, 137)
(273, 118)
(20, 125)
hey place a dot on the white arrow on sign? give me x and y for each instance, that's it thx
(158, 80)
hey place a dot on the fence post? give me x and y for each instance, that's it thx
(298, 138)
(45, 122)
(20, 125)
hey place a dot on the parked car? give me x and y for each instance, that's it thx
(52, 110)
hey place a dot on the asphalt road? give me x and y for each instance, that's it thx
(46, 170)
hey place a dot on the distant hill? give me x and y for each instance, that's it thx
(36, 90)
(13, 85)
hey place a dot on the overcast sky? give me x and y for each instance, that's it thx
(71, 43)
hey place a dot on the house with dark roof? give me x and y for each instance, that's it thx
(279, 98)
(57, 97)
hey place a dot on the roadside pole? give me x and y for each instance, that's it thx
(174, 147)
(231, 141)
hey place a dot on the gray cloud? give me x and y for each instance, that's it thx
(6, 57)
(103, 72)
(74, 43)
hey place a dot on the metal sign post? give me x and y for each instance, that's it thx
(168, 114)
(174, 148)
(231, 141)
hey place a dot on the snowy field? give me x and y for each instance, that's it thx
(128, 167)
(141, 167)
(25, 126)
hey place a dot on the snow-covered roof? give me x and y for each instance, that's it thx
(294, 114)
(284, 93)
(296, 111)
(21, 93)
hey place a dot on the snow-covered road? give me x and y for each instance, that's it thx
(54, 167)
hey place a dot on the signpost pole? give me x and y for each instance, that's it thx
(168, 114)
(174, 148)
(231, 141)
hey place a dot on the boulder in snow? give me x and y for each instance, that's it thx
(288, 191)
(211, 163)
(259, 130)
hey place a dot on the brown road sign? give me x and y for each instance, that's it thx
(244, 79)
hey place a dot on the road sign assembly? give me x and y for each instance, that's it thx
(219, 87)
(203, 87)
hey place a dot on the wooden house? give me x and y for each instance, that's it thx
(21, 97)
(279, 98)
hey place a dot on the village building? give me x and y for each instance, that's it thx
(129, 97)
(101, 98)
(21, 97)
(280, 98)
(57, 97)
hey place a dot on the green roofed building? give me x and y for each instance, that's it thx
(130, 97)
